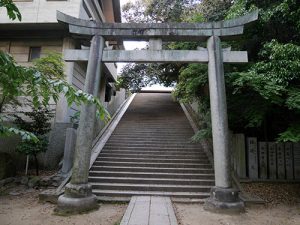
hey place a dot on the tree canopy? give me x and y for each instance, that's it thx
(263, 95)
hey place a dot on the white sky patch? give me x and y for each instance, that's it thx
(132, 45)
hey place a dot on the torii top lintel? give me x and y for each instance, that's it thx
(165, 31)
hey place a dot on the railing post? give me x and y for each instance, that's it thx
(78, 195)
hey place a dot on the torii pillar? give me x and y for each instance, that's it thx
(78, 196)
(222, 197)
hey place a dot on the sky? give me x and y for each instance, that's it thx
(131, 45)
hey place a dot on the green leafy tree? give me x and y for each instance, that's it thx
(145, 11)
(39, 87)
(37, 122)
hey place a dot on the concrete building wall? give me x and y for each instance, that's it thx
(43, 12)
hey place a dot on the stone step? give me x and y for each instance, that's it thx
(154, 135)
(152, 144)
(141, 140)
(154, 130)
(142, 175)
(132, 133)
(138, 180)
(163, 151)
(164, 160)
(156, 165)
(153, 152)
(111, 153)
(150, 187)
(151, 169)
(120, 193)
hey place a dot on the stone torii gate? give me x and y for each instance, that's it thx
(78, 195)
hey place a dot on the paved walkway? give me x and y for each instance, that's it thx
(149, 210)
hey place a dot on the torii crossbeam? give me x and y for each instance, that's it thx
(78, 195)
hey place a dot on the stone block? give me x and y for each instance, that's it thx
(289, 164)
(252, 157)
(69, 150)
(280, 161)
(296, 147)
(55, 151)
(224, 200)
(33, 182)
(263, 160)
(272, 160)
(239, 155)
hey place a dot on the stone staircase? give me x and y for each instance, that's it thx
(150, 153)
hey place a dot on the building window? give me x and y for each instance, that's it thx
(34, 53)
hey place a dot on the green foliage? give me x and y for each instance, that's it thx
(239, 8)
(12, 10)
(25, 135)
(145, 11)
(136, 76)
(40, 85)
(263, 97)
(213, 10)
(273, 77)
(204, 120)
(37, 122)
(51, 66)
(192, 82)
(292, 134)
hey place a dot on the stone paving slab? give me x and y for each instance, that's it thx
(149, 210)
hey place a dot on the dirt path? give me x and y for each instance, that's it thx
(194, 214)
(24, 209)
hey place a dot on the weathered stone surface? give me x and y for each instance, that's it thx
(6, 181)
(280, 161)
(155, 56)
(50, 195)
(149, 210)
(69, 150)
(165, 31)
(7, 166)
(78, 195)
(239, 155)
(296, 147)
(24, 180)
(55, 151)
(272, 160)
(68, 205)
(33, 182)
(263, 160)
(224, 200)
(219, 118)
(252, 157)
(289, 164)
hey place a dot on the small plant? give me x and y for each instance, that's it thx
(37, 122)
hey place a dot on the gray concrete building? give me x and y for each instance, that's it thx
(38, 33)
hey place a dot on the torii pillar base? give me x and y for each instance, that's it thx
(77, 199)
(224, 200)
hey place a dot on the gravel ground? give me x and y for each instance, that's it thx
(282, 208)
(194, 214)
(274, 193)
(20, 206)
